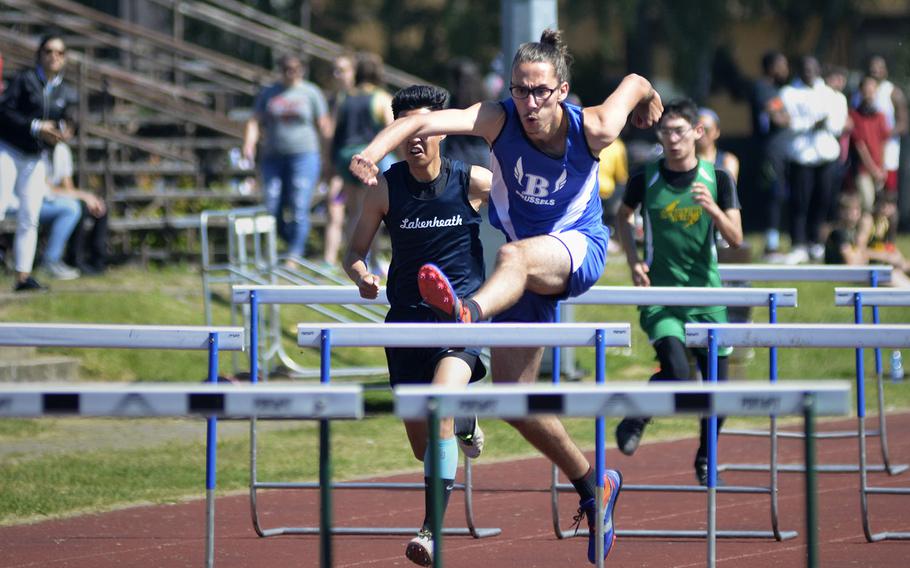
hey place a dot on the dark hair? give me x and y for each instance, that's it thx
(684, 108)
(419, 96)
(46, 39)
(368, 68)
(465, 82)
(768, 60)
(550, 49)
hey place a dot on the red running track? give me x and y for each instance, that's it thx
(173, 535)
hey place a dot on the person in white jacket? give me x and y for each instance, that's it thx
(817, 117)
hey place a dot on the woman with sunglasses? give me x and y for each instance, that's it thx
(545, 199)
(34, 116)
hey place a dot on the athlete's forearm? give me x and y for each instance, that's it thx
(392, 136)
(729, 225)
(626, 230)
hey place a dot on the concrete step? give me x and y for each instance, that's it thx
(51, 368)
(17, 353)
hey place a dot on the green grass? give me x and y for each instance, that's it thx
(43, 485)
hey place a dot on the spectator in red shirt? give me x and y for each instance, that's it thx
(870, 132)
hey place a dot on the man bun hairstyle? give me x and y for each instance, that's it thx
(550, 49)
(419, 96)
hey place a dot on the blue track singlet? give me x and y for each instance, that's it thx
(432, 223)
(535, 194)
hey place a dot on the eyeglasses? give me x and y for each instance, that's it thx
(48, 51)
(668, 133)
(540, 93)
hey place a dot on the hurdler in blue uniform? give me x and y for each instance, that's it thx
(429, 206)
(545, 199)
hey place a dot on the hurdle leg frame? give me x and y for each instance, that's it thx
(882, 432)
(865, 489)
(471, 528)
(776, 533)
(211, 450)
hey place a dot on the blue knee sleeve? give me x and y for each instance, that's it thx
(448, 458)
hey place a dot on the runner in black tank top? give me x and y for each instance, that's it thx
(429, 205)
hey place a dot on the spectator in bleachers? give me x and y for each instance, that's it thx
(859, 239)
(343, 77)
(290, 118)
(706, 146)
(365, 111)
(868, 139)
(769, 131)
(61, 213)
(890, 101)
(817, 118)
(87, 248)
(33, 110)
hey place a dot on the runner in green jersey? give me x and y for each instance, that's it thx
(687, 204)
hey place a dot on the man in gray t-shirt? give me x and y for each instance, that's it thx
(288, 119)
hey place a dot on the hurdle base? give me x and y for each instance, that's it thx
(380, 531)
(888, 490)
(400, 486)
(824, 468)
(878, 537)
(784, 535)
(568, 488)
(837, 434)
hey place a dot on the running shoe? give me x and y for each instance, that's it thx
(588, 510)
(701, 472)
(469, 436)
(438, 293)
(629, 433)
(420, 549)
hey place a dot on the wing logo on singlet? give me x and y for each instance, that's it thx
(536, 188)
(434, 223)
(676, 214)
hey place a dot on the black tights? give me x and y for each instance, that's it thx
(674, 366)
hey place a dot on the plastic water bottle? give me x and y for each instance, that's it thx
(897, 367)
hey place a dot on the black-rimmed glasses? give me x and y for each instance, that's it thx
(540, 93)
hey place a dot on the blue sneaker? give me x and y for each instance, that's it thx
(612, 486)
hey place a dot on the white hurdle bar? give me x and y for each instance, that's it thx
(111, 336)
(773, 298)
(813, 335)
(599, 336)
(318, 402)
(876, 297)
(617, 399)
(871, 274)
(311, 295)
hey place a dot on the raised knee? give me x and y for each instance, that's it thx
(509, 253)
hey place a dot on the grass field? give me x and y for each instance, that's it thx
(159, 462)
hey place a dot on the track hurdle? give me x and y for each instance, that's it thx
(858, 298)
(871, 274)
(600, 336)
(211, 339)
(314, 296)
(516, 401)
(809, 335)
(678, 296)
(318, 402)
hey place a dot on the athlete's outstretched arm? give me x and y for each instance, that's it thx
(483, 119)
(634, 95)
(375, 206)
(625, 226)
